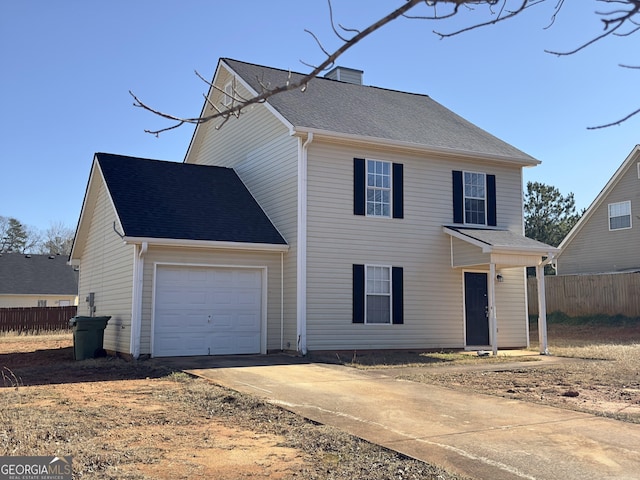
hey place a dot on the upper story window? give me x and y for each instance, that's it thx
(619, 215)
(227, 98)
(378, 188)
(475, 198)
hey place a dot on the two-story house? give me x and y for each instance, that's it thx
(607, 237)
(341, 217)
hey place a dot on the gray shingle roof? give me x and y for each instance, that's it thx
(22, 274)
(345, 108)
(169, 200)
(503, 239)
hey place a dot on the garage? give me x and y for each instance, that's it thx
(207, 311)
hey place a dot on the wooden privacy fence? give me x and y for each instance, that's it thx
(36, 319)
(585, 295)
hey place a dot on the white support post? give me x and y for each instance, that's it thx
(542, 311)
(493, 319)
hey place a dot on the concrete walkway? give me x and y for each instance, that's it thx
(483, 437)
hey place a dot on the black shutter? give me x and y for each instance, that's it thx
(359, 186)
(358, 294)
(398, 191)
(397, 295)
(491, 201)
(458, 197)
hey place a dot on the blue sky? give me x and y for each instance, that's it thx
(67, 67)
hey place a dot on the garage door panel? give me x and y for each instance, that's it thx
(207, 311)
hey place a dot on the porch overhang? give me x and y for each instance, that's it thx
(491, 249)
(503, 248)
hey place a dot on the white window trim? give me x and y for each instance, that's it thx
(366, 293)
(464, 198)
(366, 183)
(609, 217)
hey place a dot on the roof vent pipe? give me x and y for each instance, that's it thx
(347, 75)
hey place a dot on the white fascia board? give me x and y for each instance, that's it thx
(384, 142)
(511, 250)
(171, 242)
(468, 239)
(91, 197)
(547, 251)
(613, 181)
(266, 103)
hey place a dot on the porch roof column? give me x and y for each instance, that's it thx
(542, 310)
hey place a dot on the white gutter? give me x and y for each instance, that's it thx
(171, 242)
(301, 259)
(138, 283)
(385, 142)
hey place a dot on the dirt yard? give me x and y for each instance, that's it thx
(138, 420)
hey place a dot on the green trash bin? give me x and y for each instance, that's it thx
(88, 336)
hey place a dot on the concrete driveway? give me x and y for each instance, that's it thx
(480, 436)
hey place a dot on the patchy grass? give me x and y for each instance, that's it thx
(404, 358)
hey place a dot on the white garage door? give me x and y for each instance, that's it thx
(207, 311)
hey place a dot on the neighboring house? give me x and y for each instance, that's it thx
(376, 219)
(607, 237)
(37, 281)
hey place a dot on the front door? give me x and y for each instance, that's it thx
(476, 308)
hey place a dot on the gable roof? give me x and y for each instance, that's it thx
(331, 106)
(157, 199)
(22, 274)
(633, 157)
(491, 240)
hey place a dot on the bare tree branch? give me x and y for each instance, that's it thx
(617, 122)
(624, 20)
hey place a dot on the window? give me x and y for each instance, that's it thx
(378, 306)
(227, 99)
(378, 189)
(42, 303)
(619, 215)
(474, 198)
(378, 296)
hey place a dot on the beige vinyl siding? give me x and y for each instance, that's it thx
(466, 254)
(10, 301)
(337, 239)
(212, 257)
(511, 303)
(106, 269)
(264, 154)
(595, 248)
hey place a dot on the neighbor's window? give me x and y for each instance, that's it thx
(42, 303)
(619, 215)
(475, 199)
(378, 292)
(378, 188)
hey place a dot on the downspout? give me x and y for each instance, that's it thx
(136, 318)
(301, 259)
(281, 301)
